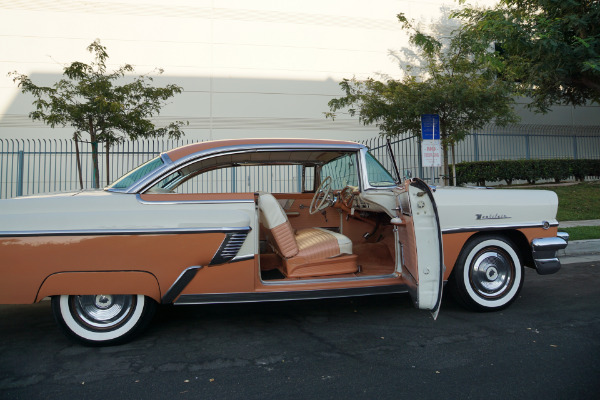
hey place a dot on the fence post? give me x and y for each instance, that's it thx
(233, 180)
(476, 146)
(527, 154)
(575, 147)
(20, 167)
(420, 151)
(299, 172)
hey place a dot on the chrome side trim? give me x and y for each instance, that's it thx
(110, 232)
(138, 196)
(231, 245)
(252, 297)
(245, 257)
(180, 283)
(494, 227)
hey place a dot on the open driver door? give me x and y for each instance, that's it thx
(419, 252)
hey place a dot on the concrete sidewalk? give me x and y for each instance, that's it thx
(574, 224)
(580, 251)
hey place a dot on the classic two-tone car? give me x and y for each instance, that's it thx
(266, 220)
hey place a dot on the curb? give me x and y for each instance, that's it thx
(580, 251)
(581, 247)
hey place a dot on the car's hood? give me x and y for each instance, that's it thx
(475, 207)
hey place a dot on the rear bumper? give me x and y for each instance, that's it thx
(544, 252)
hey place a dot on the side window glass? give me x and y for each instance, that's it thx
(246, 179)
(309, 179)
(342, 170)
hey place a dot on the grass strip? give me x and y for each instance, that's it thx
(582, 232)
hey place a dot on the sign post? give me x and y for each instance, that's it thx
(431, 147)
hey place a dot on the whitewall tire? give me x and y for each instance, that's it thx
(488, 274)
(100, 320)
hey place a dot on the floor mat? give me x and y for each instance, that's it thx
(272, 274)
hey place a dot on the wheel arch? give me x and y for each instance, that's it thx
(100, 282)
(517, 237)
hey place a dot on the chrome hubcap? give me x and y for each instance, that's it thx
(103, 301)
(102, 311)
(491, 273)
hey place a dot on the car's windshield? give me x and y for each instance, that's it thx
(342, 170)
(378, 175)
(133, 176)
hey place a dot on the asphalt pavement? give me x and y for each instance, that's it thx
(546, 345)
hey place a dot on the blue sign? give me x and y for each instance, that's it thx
(430, 126)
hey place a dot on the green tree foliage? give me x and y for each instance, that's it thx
(453, 81)
(550, 49)
(89, 100)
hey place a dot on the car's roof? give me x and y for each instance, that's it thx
(185, 151)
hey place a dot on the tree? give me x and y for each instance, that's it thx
(454, 82)
(550, 49)
(89, 100)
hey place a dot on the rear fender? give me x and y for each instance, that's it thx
(101, 282)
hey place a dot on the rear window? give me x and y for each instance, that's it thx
(140, 172)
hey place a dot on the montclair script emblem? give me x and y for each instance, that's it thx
(492, 216)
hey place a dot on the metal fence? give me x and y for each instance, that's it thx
(49, 165)
(489, 147)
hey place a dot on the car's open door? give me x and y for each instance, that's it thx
(419, 244)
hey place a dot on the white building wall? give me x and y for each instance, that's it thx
(249, 68)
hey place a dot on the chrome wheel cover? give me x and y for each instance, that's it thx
(102, 312)
(491, 273)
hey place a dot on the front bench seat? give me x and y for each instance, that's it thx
(308, 252)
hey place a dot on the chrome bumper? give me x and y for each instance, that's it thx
(544, 252)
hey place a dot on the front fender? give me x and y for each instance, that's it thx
(100, 282)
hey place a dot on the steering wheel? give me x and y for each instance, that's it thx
(321, 200)
(347, 196)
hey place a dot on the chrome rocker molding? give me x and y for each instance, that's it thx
(252, 297)
(544, 252)
(109, 232)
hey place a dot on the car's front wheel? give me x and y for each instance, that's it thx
(101, 320)
(488, 274)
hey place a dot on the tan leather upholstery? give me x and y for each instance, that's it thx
(308, 252)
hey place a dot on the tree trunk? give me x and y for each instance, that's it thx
(445, 151)
(453, 166)
(78, 162)
(94, 154)
(107, 146)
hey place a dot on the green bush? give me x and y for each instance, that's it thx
(480, 172)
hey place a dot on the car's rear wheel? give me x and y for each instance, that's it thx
(488, 274)
(101, 320)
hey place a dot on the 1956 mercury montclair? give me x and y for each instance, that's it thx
(266, 220)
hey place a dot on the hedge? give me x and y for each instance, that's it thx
(480, 172)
